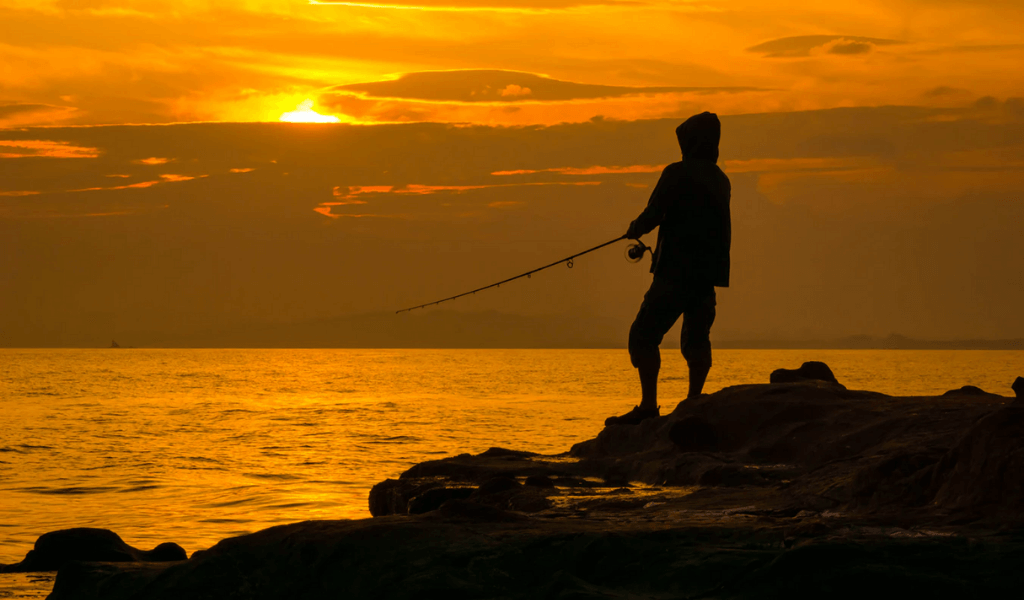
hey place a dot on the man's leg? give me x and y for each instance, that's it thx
(696, 342)
(649, 385)
(657, 314)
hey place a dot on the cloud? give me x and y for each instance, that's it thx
(20, 113)
(594, 170)
(174, 177)
(500, 6)
(154, 160)
(757, 165)
(473, 86)
(844, 47)
(973, 48)
(515, 90)
(44, 148)
(130, 186)
(351, 196)
(790, 165)
(944, 90)
(802, 45)
(144, 62)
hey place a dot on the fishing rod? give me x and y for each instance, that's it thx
(634, 252)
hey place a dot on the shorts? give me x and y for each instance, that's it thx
(663, 303)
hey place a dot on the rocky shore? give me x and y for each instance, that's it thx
(796, 487)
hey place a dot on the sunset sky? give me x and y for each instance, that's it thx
(152, 188)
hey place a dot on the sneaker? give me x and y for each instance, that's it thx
(634, 417)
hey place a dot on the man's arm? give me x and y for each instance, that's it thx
(657, 206)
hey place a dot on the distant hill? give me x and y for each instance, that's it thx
(439, 328)
(864, 342)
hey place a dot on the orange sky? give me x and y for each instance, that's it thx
(875, 151)
(109, 61)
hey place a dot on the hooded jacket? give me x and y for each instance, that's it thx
(690, 205)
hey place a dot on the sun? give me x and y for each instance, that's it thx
(305, 114)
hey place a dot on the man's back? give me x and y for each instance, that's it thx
(695, 231)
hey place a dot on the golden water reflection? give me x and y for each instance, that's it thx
(193, 446)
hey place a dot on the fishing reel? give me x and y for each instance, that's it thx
(635, 251)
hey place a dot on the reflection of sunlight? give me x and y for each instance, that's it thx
(306, 114)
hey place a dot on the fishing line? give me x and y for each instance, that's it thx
(634, 252)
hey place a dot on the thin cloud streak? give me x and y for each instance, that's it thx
(47, 149)
(525, 9)
(350, 198)
(595, 170)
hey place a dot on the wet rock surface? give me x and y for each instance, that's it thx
(56, 549)
(801, 487)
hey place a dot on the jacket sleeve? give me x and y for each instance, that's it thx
(657, 206)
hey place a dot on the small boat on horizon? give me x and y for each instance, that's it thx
(114, 344)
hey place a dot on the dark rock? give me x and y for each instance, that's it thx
(805, 490)
(469, 510)
(478, 469)
(967, 390)
(809, 528)
(392, 496)
(731, 475)
(55, 549)
(573, 482)
(985, 470)
(505, 452)
(693, 434)
(433, 498)
(809, 371)
(497, 485)
(468, 557)
(165, 552)
(529, 502)
(897, 481)
(78, 580)
(1018, 387)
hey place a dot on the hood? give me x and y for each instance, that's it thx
(699, 135)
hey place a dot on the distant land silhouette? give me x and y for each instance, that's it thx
(866, 342)
(439, 328)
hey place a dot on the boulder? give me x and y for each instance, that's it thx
(984, 471)
(809, 371)
(55, 549)
(432, 499)
(968, 390)
(392, 496)
(693, 434)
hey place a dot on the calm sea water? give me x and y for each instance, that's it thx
(193, 446)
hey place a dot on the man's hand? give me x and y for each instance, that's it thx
(631, 232)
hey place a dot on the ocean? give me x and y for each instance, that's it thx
(193, 446)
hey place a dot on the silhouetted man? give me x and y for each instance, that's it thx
(690, 205)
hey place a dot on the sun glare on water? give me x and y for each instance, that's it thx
(305, 114)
